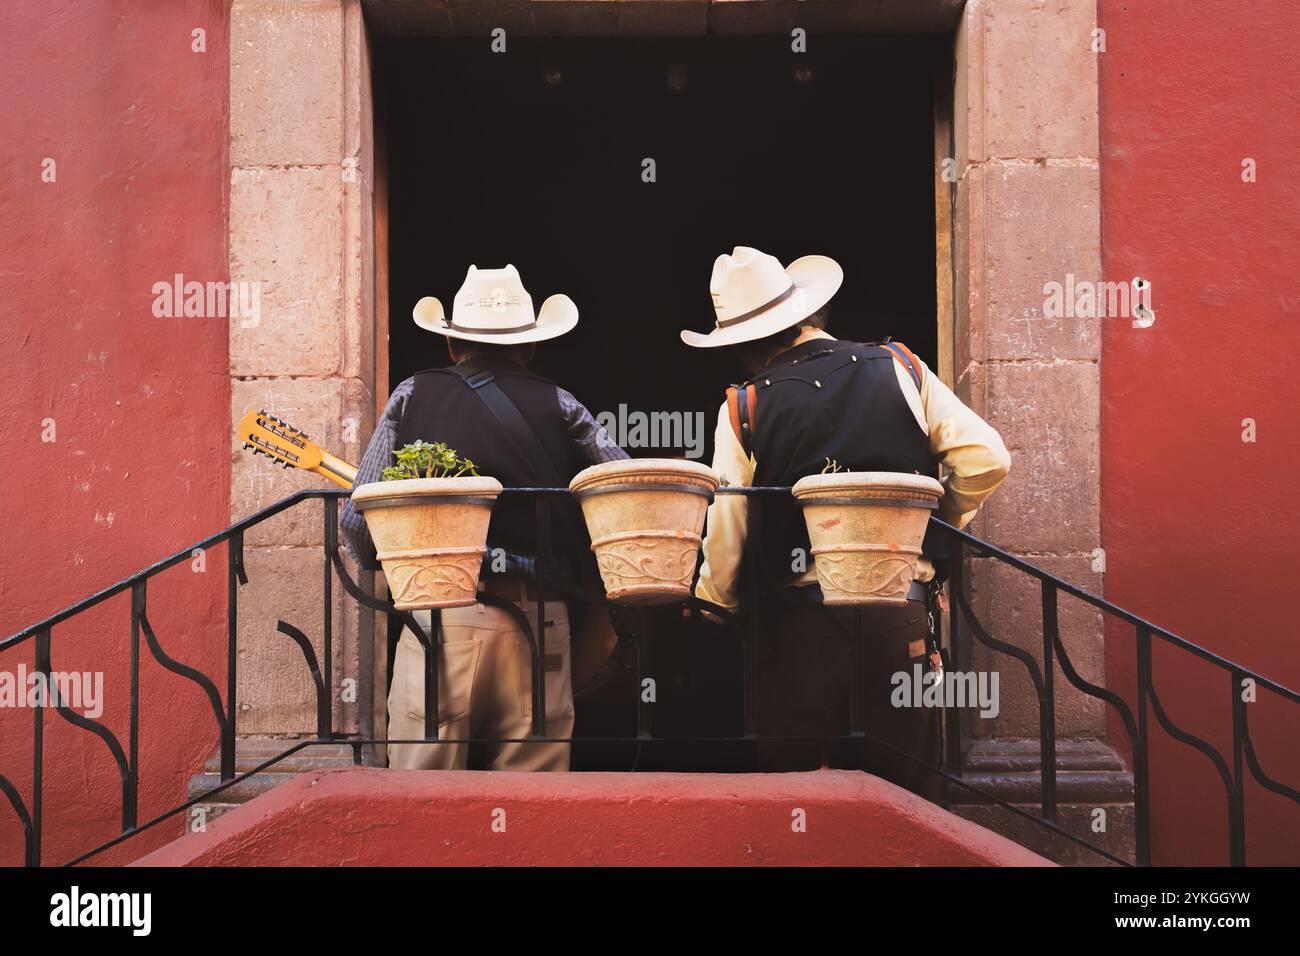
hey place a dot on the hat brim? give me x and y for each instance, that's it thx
(557, 316)
(816, 280)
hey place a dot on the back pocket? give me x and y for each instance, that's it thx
(456, 670)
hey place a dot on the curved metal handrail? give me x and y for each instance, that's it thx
(334, 564)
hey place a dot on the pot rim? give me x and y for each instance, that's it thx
(900, 484)
(627, 470)
(378, 493)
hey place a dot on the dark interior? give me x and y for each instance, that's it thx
(534, 157)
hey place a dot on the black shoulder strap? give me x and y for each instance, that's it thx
(517, 430)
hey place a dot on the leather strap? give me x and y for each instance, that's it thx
(741, 412)
(516, 428)
(904, 355)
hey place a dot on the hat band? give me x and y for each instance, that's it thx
(473, 331)
(723, 323)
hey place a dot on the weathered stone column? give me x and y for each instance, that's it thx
(301, 225)
(1028, 214)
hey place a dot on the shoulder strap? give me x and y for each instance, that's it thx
(517, 430)
(741, 412)
(909, 361)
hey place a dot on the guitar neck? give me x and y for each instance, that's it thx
(337, 470)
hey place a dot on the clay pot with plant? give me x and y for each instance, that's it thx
(428, 517)
(866, 529)
(645, 516)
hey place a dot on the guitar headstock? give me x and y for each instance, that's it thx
(267, 435)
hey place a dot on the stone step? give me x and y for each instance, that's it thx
(1094, 790)
(251, 753)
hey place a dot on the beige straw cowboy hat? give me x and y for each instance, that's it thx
(754, 296)
(494, 307)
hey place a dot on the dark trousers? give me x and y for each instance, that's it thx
(805, 670)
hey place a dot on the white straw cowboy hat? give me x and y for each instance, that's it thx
(494, 307)
(754, 296)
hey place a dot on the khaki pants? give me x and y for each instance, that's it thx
(485, 690)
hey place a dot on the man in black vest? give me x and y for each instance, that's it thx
(525, 431)
(811, 399)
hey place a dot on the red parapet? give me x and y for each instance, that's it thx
(371, 817)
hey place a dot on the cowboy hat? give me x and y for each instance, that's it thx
(494, 307)
(755, 297)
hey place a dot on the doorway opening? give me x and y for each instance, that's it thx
(538, 157)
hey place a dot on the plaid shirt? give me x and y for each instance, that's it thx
(592, 441)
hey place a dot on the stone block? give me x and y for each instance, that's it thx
(286, 82)
(478, 18)
(574, 18)
(1040, 93)
(748, 17)
(662, 18)
(285, 234)
(1042, 224)
(1047, 417)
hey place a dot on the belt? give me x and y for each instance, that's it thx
(512, 589)
(918, 591)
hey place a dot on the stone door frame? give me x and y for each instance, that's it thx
(1019, 208)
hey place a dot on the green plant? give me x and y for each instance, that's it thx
(421, 459)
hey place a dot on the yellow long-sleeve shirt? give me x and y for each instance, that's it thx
(970, 449)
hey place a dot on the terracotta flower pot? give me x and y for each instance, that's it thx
(430, 535)
(645, 516)
(866, 529)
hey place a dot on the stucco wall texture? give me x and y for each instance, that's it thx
(1198, 525)
(135, 122)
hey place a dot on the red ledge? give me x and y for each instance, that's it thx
(371, 817)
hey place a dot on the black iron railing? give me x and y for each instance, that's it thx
(552, 584)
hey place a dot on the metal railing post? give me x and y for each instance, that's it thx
(1237, 805)
(1047, 715)
(234, 576)
(1141, 753)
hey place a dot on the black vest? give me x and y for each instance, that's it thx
(443, 408)
(823, 399)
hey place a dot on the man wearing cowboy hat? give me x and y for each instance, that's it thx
(812, 398)
(523, 430)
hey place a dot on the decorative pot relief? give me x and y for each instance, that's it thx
(645, 516)
(431, 535)
(440, 579)
(864, 574)
(866, 530)
(631, 560)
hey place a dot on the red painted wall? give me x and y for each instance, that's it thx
(1200, 527)
(136, 124)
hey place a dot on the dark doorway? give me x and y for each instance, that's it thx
(535, 157)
